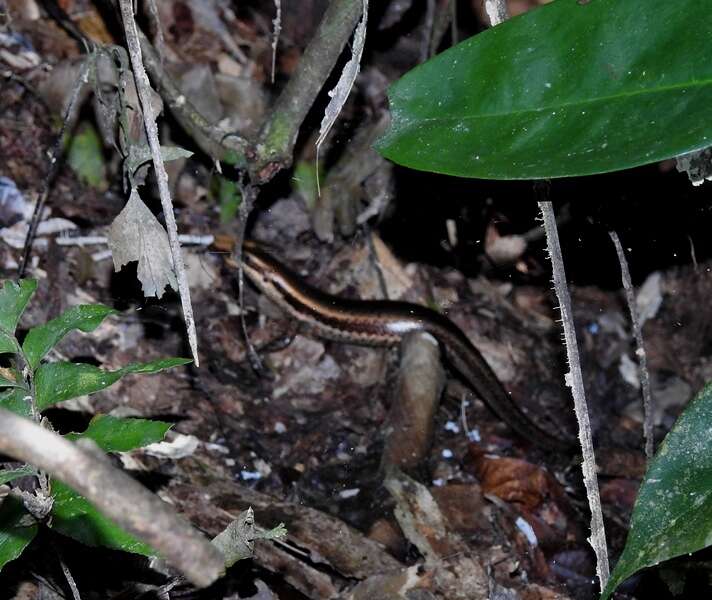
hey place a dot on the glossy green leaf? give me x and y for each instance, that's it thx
(15, 535)
(42, 339)
(15, 401)
(56, 382)
(113, 434)
(74, 516)
(13, 300)
(8, 475)
(673, 512)
(571, 88)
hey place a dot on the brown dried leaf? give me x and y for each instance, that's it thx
(136, 234)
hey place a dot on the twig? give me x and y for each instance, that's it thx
(249, 195)
(428, 26)
(70, 580)
(94, 240)
(575, 381)
(212, 139)
(54, 164)
(273, 148)
(277, 24)
(115, 494)
(149, 119)
(639, 348)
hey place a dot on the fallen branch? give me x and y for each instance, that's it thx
(116, 495)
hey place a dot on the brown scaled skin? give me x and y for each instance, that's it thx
(384, 323)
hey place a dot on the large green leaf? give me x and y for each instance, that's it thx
(113, 434)
(14, 534)
(42, 339)
(74, 516)
(673, 511)
(571, 88)
(56, 382)
(13, 300)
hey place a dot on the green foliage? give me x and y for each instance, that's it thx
(59, 381)
(42, 339)
(229, 198)
(13, 300)
(673, 511)
(572, 88)
(85, 156)
(112, 434)
(47, 384)
(15, 532)
(11, 474)
(75, 517)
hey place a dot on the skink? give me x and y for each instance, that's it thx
(384, 323)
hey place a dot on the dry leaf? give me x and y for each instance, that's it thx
(348, 76)
(136, 234)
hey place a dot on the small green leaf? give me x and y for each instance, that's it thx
(571, 88)
(86, 156)
(13, 300)
(8, 343)
(42, 339)
(229, 197)
(113, 434)
(74, 516)
(15, 401)
(8, 475)
(14, 535)
(56, 382)
(305, 182)
(156, 365)
(673, 512)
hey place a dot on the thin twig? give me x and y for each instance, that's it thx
(648, 406)
(54, 164)
(249, 195)
(277, 25)
(211, 138)
(575, 381)
(149, 119)
(117, 495)
(70, 580)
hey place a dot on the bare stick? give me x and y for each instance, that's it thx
(575, 380)
(54, 164)
(277, 29)
(70, 579)
(149, 120)
(639, 348)
(116, 495)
